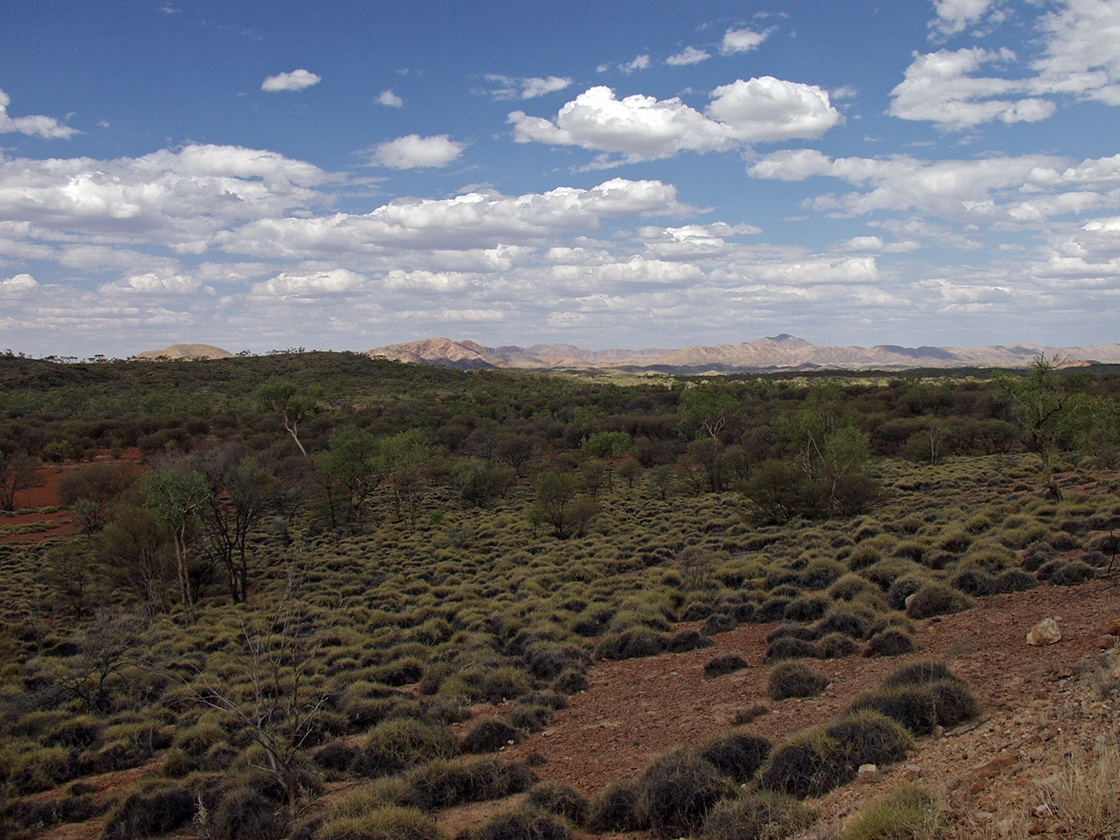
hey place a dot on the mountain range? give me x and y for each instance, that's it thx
(781, 352)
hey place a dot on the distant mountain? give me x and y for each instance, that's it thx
(186, 351)
(781, 352)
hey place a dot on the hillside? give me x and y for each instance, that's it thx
(783, 352)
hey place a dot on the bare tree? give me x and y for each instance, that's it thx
(17, 472)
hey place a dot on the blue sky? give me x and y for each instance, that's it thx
(345, 175)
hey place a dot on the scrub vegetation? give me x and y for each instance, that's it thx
(306, 570)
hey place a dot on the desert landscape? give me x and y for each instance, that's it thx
(317, 595)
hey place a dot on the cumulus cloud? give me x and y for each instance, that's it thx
(311, 282)
(389, 99)
(742, 40)
(941, 87)
(155, 284)
(416, 152)
(1081, 56)
(640, 62)
(19, 283)
(644, 128)
(296, 80)
(525, 88)
(689, 55)
(46, 127)
(954, 16)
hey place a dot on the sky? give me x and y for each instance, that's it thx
(354, 173)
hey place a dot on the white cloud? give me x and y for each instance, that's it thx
(644, 128)
(311, 282)
(416, 152)
(689, 55)
(941, 87)
(1081, 57)
(46, 127)
(389, 99)
(640, 62)
(155, 284)
(19, 283)
(742, 40)
(525, 88)
(296, 80)
(954, 16)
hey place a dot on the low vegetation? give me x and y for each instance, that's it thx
(299, 571)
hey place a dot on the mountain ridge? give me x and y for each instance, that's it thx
(781, 352)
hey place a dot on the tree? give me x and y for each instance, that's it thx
(707, 408)
(560, 506)
(1054, 413)
(106, 648)
(280, 710)
(478, 482)
(242, 492)
(17, 472)
(353, 463)
(405, 457)
(175, 493)
(293, 404)
(89, 491)
(134, 551)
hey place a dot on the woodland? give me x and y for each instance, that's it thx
(270, 578)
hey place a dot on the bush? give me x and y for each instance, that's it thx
(719, 623)
(721, 665)
(150, 814)
(490, 734)
(757, 815)
(559, 799)
(396, 745)
(954, 701)
(244, 813)
(737, 756)
(685, 640)
(913, 706)
(772, 609)
(524, 823)
(974, 582)
(616, 809)
(919, 673)
(1072, 573)
(446, 783)
(889, 643)
(631, 644)
(794, 679)
(868, 737)
(935, 599)
(806, 608)
(571, 682)
(836, 646)
(392, 822)
(809, 764)
(1015, 580)
(678, 790)
(790, 647)
(531, 717)
(843, 621)
(906, 813)
(505, 683)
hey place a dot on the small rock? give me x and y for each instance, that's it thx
(1105, 642)
(1046, 632)
(1005, 827)
(868, 773)
(911, 772)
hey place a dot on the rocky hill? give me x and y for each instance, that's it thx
(186, 351)
(782, 352)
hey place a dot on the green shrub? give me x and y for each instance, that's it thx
(446, 783)
(490, 734)
(150, 814)
(531, 717)
(678, 790)
(617, 809)
(845, 621)
(719, 623)
(836, 646)
(794, 679)
(631, 644)
(1072, 573)
(685, 640)
(889, 643)
(524, 823)
(392, 822)
(919, 673)
(913, 706)
(935, 599)
(868, 737)
(505, 683)
(559, 799)
(244, 813)
(395, 745)
(849, 587)
(954, 701)
(808, 764)
(757, 815)
(906, 813)
(726, 664)
(737, 756)
(790, 647)
(1015, 580)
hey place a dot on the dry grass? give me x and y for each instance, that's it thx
(1086, 797)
